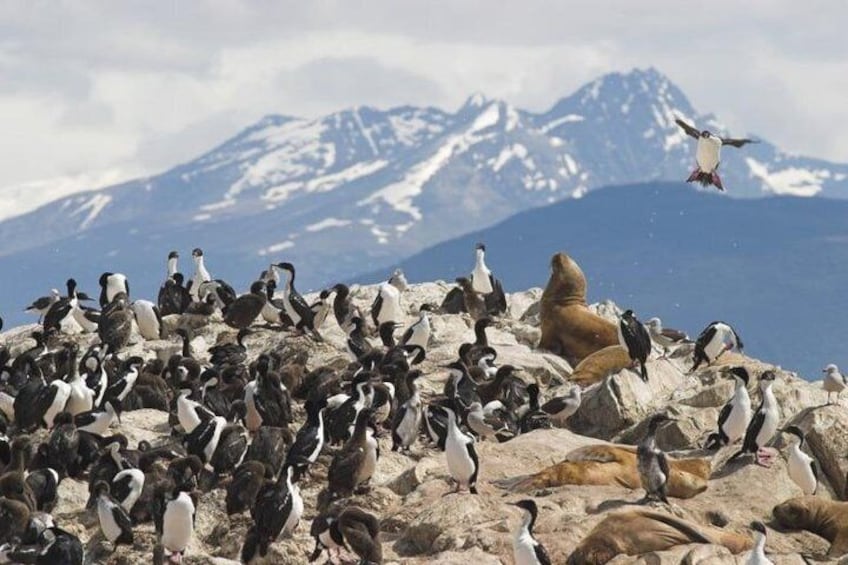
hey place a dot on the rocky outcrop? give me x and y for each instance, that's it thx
(422, 522)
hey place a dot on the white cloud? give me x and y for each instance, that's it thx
(138, 86)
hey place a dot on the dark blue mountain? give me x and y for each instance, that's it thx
(776, 268)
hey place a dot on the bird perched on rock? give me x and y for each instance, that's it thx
(112, 284)
(486, 284)
(802, 468)
(246, 308)
(398, 280)
(174, 515)
(355, 463)
(473, 302)
(201, 275)
(115, 326)
(708, 154)
(834, 381)
(735, 415)
(407, 420)
(463, 463)
(296, 307)
(716, 339)
(665, 337)
(327, 535)
(652, 462)
(386, 306)
(763, 425)
(42, 304)
(277, 510)
(526, 549)
(115, 522)
(758, 553)
(634, 338)
(419, 332)
(561, 408)
(361, 531)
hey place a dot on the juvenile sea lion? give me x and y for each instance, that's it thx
(635, 532)
(616, 465)
(826, 518)
(569, 329)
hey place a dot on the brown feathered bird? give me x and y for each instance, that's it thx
(247, 307)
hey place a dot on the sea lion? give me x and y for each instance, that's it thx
(826, 518)
(634, 532)
(599, 365)
(569, 329)
(616, 465)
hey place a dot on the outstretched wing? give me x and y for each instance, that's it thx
(737, 142)
(690, 131)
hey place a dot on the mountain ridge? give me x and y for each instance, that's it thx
(363, 188)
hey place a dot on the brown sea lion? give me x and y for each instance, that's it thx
(569, 329)
(616, 465)
(599, 365)
(635, 532)
(826, 518)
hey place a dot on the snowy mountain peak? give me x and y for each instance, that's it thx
(370, 185)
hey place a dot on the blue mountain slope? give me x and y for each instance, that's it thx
(774, 267)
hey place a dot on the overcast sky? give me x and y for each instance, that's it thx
(106, 90)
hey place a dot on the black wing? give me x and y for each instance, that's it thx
(157, 509)
(690, 131)
(706, 336)
(376, 306)
(196, 441)
(724, 415)
(407, 335)
(302, 308)
(737, 142)
(496, 300)
(750, 443)
(542, 554)
(636, 337)
(120, 488)
(122, 518)
(472, 453)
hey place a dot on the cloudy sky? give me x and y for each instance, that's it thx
(97, 91)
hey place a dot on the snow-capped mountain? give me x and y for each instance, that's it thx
(363, 188)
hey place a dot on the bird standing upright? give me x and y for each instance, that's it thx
(526, 549)
(634, 338)
(652, 462)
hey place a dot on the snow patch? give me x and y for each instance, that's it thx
(792, 180)
(276, 248)
(94, 205)
(220, 205)
(365, 133)
(399, 195)
(559, 121)
(516, 150)
(328, 223)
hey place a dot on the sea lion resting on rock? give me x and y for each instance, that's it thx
(616, 465)
(569, 328)
(599, 365)
(823, 517)
(634, 532)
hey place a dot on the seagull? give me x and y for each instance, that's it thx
(834, 381)
(708, 154)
